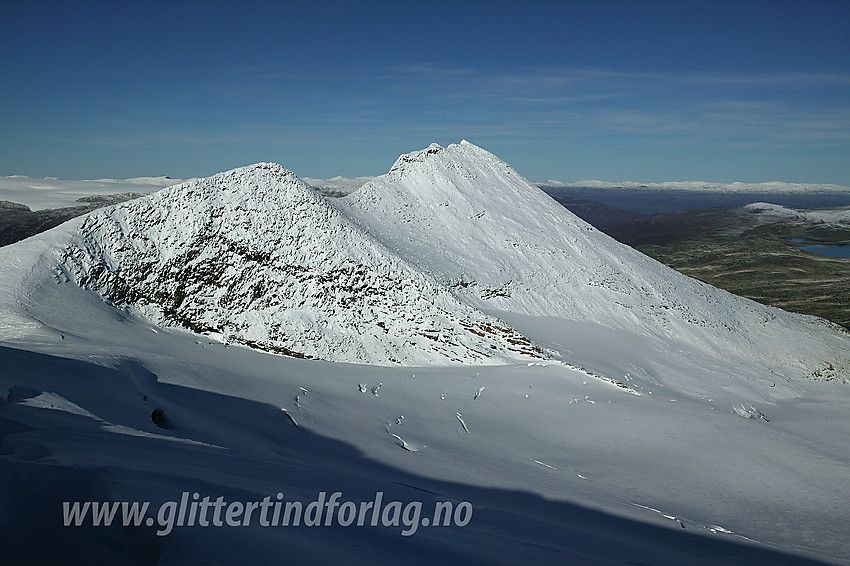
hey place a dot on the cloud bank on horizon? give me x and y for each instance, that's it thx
(567, 91)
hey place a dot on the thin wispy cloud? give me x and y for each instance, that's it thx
(628, 101)
(586, 82)
(599, 105)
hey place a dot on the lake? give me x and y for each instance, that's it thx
(829, 251)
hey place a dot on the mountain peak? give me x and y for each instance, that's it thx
(262, 169)
(458, 161)
(420, 156)
(264, 181)
(462, 176)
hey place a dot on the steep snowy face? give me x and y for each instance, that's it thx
(256, 256)
(504, 246)
(467, 216)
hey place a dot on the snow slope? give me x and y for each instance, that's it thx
(560, 468)
(256, 256)
(506, 247)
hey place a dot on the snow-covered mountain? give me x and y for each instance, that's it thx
(839, 217)
(671, 423)
(507, 248)
(337, 186)
(420, 266)
(256, 256)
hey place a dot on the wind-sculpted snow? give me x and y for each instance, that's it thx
(256, 256)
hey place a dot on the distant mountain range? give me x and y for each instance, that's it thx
(703, 186)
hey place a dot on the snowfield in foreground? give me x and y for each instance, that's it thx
(592, 405)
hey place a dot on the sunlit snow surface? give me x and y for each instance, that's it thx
(709, 432)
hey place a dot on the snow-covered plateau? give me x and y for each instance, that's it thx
(704, 186)
(446, 332)
(38, 194)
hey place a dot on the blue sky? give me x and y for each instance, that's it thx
(647, 91)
